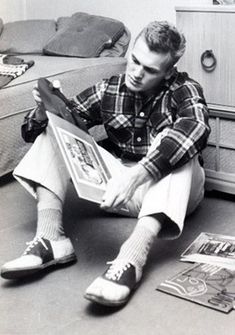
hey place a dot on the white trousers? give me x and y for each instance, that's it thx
(173, 197)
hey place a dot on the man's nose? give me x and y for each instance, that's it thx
(139, 72)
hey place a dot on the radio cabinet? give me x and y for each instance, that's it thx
(210, 59)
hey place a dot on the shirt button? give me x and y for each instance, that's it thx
(138, 139)
(142, 114)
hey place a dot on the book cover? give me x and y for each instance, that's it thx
(204, 284)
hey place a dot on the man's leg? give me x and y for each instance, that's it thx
(164, 207)
(43, 174)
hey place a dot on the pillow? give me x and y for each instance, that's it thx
(77, 20)
(83, 35)
(70, 43)
(26, 37)
(81, 21)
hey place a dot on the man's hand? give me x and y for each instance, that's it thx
(36, 94)
(121, 189)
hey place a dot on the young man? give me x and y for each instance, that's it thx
(157, 124)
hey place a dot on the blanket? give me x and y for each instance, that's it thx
(12, 67)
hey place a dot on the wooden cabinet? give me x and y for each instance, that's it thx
(210, 59)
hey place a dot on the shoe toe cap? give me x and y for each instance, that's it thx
(26, 261)
(107, 292)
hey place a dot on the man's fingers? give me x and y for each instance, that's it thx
(109, 197)
(36, 95)
(108, 202)
(112, 201)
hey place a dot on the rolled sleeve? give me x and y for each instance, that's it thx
(156, 164)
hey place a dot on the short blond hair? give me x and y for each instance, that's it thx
(162, 36)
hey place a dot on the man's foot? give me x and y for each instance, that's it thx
(39, 254)
(114, 287)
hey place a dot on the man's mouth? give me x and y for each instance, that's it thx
(134, 82)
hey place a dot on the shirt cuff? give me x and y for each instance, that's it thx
(156, 164)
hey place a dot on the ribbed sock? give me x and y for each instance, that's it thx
(136, 248)
(49, 224)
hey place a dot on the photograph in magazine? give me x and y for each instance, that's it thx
(82, 158)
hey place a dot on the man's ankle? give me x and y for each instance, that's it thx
(50, 225)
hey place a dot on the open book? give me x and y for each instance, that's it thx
(81, 155)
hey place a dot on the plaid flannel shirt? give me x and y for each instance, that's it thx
(178, 111)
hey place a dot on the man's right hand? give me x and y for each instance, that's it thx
(36, 94)
(121, 189)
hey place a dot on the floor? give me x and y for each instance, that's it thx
(52, 303)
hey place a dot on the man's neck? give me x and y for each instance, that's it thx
(154, 91)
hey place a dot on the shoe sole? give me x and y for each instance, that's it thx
(104, 302)
(20, 273)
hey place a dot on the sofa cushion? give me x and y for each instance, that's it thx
(84, 35)
(26, 37)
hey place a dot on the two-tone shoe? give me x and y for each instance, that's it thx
(40, 254)
(115, 286)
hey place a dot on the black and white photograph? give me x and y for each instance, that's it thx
(117, 167)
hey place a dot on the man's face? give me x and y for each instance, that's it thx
(145, 68)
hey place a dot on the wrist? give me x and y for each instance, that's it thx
(140, 175)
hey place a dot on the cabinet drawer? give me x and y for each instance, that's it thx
(211, 29)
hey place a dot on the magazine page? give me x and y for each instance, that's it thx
(212, 249)
(204, 284)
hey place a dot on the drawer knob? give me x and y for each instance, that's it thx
(208, 61)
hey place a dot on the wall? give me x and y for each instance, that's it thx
(134, 13)
(12, 10)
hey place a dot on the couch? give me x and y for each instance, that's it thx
(55, 59)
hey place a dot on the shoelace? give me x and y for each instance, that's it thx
(33, 243)
(117, 268)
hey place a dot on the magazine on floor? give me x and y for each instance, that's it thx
(205, 284)
(86, 166)
(212, 249)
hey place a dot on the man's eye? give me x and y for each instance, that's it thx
(135, 60)
(151, 71)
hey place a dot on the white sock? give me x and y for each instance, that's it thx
(136, 248)
(49, 224)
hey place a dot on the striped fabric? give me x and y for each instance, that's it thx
(12, 67)
(178, 111)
